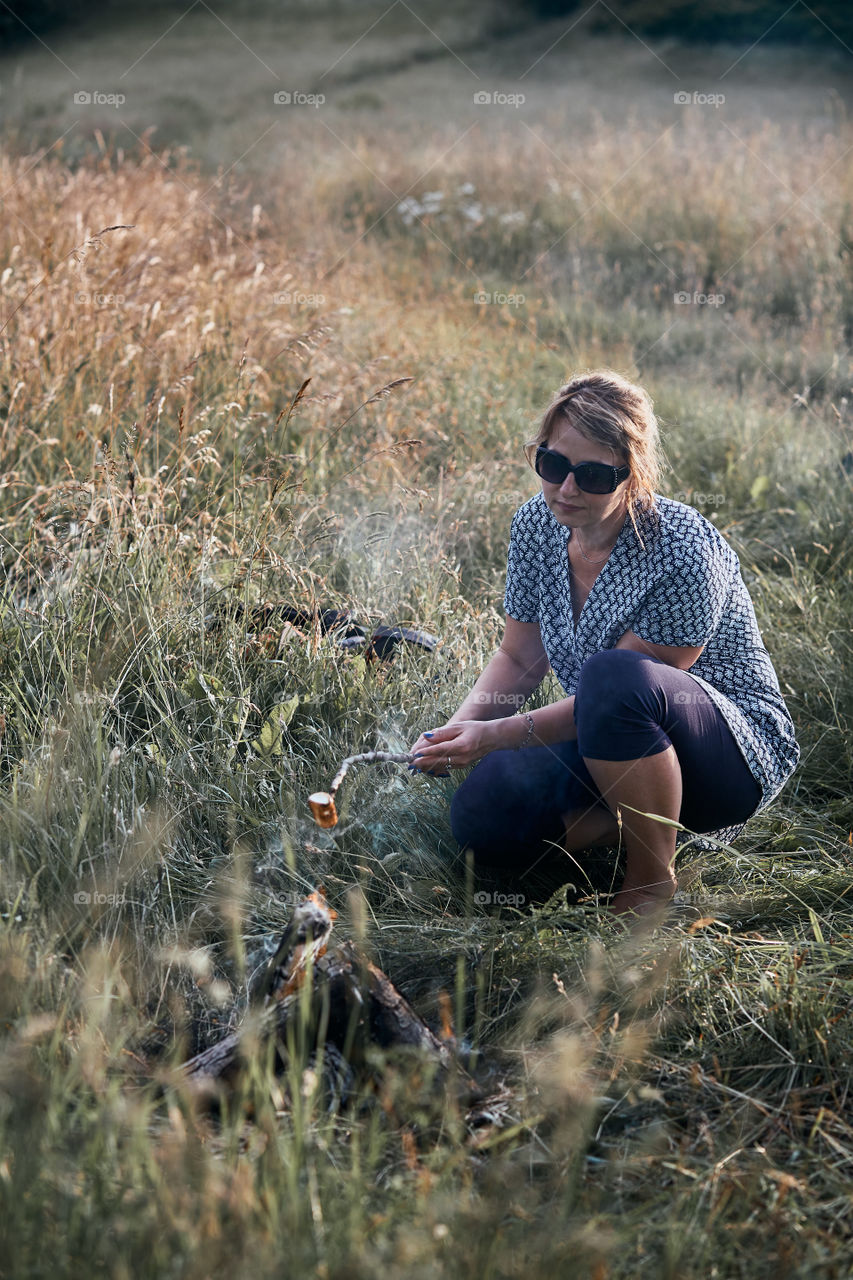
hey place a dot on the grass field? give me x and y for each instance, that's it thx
(284, 383)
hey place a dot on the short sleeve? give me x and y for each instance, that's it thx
(686, 605)
(521, 598)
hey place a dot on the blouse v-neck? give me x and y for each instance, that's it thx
(576, 621)
(570, 578)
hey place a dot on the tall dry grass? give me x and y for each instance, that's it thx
(677, 1105)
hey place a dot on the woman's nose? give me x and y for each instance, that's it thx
(569, 487)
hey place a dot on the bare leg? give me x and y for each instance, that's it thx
(652, 785)
(585, 828)
(588, 827)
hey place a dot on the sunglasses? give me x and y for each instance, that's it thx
(591, 477)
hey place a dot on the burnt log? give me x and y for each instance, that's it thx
(353, 1009)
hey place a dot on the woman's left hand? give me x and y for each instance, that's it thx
(454, 746)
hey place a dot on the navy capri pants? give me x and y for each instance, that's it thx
(627, 705)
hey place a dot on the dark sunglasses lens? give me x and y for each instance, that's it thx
(591, 477)
(594, 477)
(551, 466)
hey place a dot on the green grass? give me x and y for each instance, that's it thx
(674, 1106)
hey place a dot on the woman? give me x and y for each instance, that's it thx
(637, 603)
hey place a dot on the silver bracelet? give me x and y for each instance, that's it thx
(526, 743)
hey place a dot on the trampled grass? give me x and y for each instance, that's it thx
(672, 1106)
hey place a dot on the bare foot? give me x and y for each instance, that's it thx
(644, 900)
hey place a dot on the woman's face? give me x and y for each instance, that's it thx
(569, 504)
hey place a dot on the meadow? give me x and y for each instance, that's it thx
(311, 386)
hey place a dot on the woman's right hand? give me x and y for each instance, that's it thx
(460, 744)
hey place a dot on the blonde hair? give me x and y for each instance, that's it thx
(607, 408)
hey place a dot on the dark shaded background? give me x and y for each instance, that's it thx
(818, 22)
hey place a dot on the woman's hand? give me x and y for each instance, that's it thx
(462, 743)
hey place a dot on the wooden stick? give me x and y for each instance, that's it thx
(369, 757)
(322, 803)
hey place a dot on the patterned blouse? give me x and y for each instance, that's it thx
(683, 587)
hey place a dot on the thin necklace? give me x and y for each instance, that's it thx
(583, 553)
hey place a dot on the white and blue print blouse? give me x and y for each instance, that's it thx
(682, 586)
